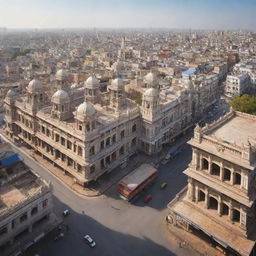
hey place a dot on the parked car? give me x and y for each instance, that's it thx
(147, 198)
(163, 185)
(89, 241)
(65, 212)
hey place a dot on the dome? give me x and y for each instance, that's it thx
(92, 82)
(117, 84)
(60, 97)
(10, 94)
(151, 92)
(86, 109)
(61, 74)
(150, 78)
(35, 85)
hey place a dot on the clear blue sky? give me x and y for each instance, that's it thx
(202, 14)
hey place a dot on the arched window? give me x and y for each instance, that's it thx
(215, 169)
(201, 196)
(236, 215)
(227, 174)
(205, 164)
(237, 178)
(225, 209)
(213, 203)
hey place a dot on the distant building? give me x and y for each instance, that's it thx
(220, 199)
(237, 85)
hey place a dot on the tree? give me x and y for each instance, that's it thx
(244, 103)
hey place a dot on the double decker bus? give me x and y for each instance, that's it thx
(136, 181)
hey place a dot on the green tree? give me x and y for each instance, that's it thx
(244, 103)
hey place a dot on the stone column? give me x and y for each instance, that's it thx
(232, 178)
(220, 206)
(221, 172)
(231, 212)
(196, 193)
(206, 198)
(243, 218)
(191, 190)
(210, 165)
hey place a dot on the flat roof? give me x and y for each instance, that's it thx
(189, 71)
(215, 226)
(136, 177)
(236, 130)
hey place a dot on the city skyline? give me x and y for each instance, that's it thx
(172, 14)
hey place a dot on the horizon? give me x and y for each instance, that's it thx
(132, 14)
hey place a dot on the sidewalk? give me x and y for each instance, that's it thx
(106, 180)
(192, 242)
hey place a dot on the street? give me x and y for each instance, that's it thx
(118, 227)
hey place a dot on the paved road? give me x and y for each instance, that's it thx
(118, 227)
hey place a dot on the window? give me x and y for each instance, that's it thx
(108, 159)
(114, 139)
(57, 137)
(92, 151)
(62, 141)
(47, 132)
(237, 179)
(134, 128)
(87, 127)
(121, 151)
(79, 151)
(69, 144)
(122, 134)
(108, 141)
(102, 144)
(113, 156)
(79, 168)
(134, 142)
(23, 217)
(92, 169)
(80, 127)
(74, 148)
(70, 161)
(43, 129)
(45, 203)
(102, 163)
(34, 210)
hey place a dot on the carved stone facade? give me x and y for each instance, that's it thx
(86, 132)
(221, 183)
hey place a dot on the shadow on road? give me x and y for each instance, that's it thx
(108, 242)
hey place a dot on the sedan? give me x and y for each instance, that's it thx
(90, 241)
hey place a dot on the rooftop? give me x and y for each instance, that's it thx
(237, 130)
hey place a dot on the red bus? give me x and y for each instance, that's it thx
(136, 181)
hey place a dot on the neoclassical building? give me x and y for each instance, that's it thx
(86, 132)
(219, 201)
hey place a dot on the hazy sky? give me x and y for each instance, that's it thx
(220, 14)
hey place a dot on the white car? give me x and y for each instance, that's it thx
(90, 241)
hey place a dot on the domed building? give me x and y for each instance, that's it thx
(92, 89)
(86, 132)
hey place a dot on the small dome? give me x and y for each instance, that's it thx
(10, 94)
(61, 74)
(150, 78)
(117, 84)
(151, 92)
(92, 82)
(35, 85)
(86, 109)
(60, 97)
